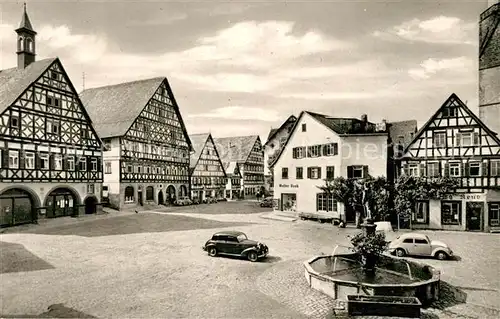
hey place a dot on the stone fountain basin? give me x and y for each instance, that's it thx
(341, 275)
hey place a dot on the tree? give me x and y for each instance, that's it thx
(410, 189)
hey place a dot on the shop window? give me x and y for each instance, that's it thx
(129, 194)
(451, 212)
(325, 202)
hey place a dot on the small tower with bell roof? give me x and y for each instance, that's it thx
(25, 42)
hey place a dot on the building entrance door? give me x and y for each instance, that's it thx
(289, 202)
(474, 215)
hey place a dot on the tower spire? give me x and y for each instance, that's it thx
(25, 41)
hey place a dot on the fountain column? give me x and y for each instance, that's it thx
(369, 260)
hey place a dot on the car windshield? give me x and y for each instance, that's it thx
(242, 237)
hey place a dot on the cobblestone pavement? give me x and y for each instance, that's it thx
(166, 274)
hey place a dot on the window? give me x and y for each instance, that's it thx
(299, 152)
(413, 169)
(13, 159)
(495, 168)
(450, 112)
(44, 161)
(93, 163)
(58, 162)
(53, 101)
(420, 216)
(464, 139)
(314, 151)
(52, 127)
(304, 128)
(451, 212)
(494, 212)
(138, 169)
(29, 160)
(107, 167)
(408, 241)
(299, 172)
(14, 122)
(284, 173)
(330, 149)
(474, 169)
(421, 241)
(454, 169)
(71, 163)
(330, 172)
(82, 164)
(325, 202)
(439, 139)
(314, 172)
(129, 168)
(129, 194)
(90, 188)
(53, 75)
(357, 171)
(433, 169)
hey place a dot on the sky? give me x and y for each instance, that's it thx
(242, 67)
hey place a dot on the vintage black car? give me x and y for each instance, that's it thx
(235, 243)
(267, 202)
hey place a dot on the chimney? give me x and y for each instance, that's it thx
(364, 118)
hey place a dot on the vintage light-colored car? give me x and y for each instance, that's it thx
(414, 244)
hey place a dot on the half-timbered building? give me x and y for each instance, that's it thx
(275, 142)
(208, 178)
(146, 146)
(234, 179)
(456, 143)
(247, 151)
(50, 161)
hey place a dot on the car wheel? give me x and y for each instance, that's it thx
(441, 255)
(252, 256)
(212, 251)
(400, 252)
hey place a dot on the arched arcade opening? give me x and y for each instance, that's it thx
(17, 206)
(62, 202)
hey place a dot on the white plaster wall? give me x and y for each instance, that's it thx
(306, 190)
(113, 155)
(368, 150)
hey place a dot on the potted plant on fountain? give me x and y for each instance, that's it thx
(369, 246)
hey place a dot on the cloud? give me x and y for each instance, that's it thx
(441, 29)
(432, 67)
(241, 113)
(331, 95)
(165, 19)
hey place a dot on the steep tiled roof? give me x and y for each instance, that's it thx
(14, 81)
(114, 108)
(198, 141)
(344, 125)
(235, 149)
(404, 129)
(274, 131)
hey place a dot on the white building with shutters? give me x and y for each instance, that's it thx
(321, 146)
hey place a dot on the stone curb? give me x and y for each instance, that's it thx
(276, 217)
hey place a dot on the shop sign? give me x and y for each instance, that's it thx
(288, 186)
(478, 197)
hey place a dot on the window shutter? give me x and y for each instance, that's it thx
(335, 148)
(308, 172)
(323, 150)
(440, 169)
(319, 172)
(446, 169)
(476, 139)
(89, 163)
(21, 158)
(294, 152)
(484, 168)
(66, 162)
(457, 139)
(465, 169)
(99, 164)
(365, 171)
(422, 169)
(38, 161)
(52, 163)
(5, 158)
(308, 151)
(350, 172)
